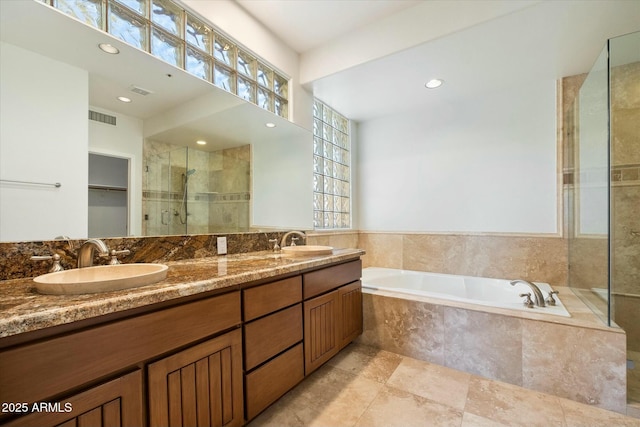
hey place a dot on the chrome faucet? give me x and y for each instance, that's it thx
(538, 298)
(293, 242)
(87, 250)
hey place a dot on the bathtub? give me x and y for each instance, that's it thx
(467, 289)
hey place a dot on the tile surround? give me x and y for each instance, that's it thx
(542, 259)
(581, 360)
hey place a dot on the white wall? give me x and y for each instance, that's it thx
(124, 140)
(479, 165)
(43, 138)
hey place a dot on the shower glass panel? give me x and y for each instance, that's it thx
(624, 89)
(163, 194)
(588, 195)
(603, 198)
(189, 191)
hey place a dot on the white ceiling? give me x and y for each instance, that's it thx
(544, 40)
(306, 24)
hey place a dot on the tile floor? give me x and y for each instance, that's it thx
(633, 377)
(363, 386)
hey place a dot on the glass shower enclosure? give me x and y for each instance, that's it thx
(602, 179)
(190, 191)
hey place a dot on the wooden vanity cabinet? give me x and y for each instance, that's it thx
(273, 333)
(332, 311)
(116, 403)
(91, 366)
(215, 361)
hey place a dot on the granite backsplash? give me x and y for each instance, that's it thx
(16, 263)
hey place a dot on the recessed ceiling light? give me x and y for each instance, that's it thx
(106, 47)
(124, 99)
(433, 83)
(270, 125)
(201, 142)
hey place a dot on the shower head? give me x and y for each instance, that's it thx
(191, 172)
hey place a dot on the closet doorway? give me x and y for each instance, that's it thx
(108, 196)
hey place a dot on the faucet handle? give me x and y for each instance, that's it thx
(56, 261)
(527, 300)
(294, 239)
(276, 246)
(114, 255)
(550, 300)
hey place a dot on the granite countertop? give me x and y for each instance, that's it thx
(23, 309)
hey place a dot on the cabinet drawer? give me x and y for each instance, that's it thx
(267, 383)
(266, 337)
(321, 281)
(68, 361)
(271, 297)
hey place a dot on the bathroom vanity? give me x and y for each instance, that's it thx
(214, 344)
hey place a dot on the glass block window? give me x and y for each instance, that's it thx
(177, 36)
(128, 27)
(88, 11)
(331, 168)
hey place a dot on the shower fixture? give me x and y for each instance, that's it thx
(183, 205)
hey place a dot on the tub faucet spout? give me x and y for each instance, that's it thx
(538, 298)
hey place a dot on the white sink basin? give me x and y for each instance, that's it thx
(307, 250)
(102, 278)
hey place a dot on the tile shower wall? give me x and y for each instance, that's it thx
(625, 199)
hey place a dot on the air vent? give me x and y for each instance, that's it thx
(139, 90)
(102, 118)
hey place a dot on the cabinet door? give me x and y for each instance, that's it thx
(200, 386)
(351, 312)
(113, 404)
(321, 330)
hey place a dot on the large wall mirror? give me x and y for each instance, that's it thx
(54, 77)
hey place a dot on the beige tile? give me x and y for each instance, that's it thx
(512, 405)
(366, 362)
(633, 379)
(626, 308)
(585, 365)
(633, 410)
(437, 253)
(434, 382)
(393, 407)
(542, 259)
(335, 239)
(473, 420)
(383, 250)
(485, 344)
(329, 397)
(405, 327)
(580, 415)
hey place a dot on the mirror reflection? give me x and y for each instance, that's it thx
(235, 183)
(194, 191)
